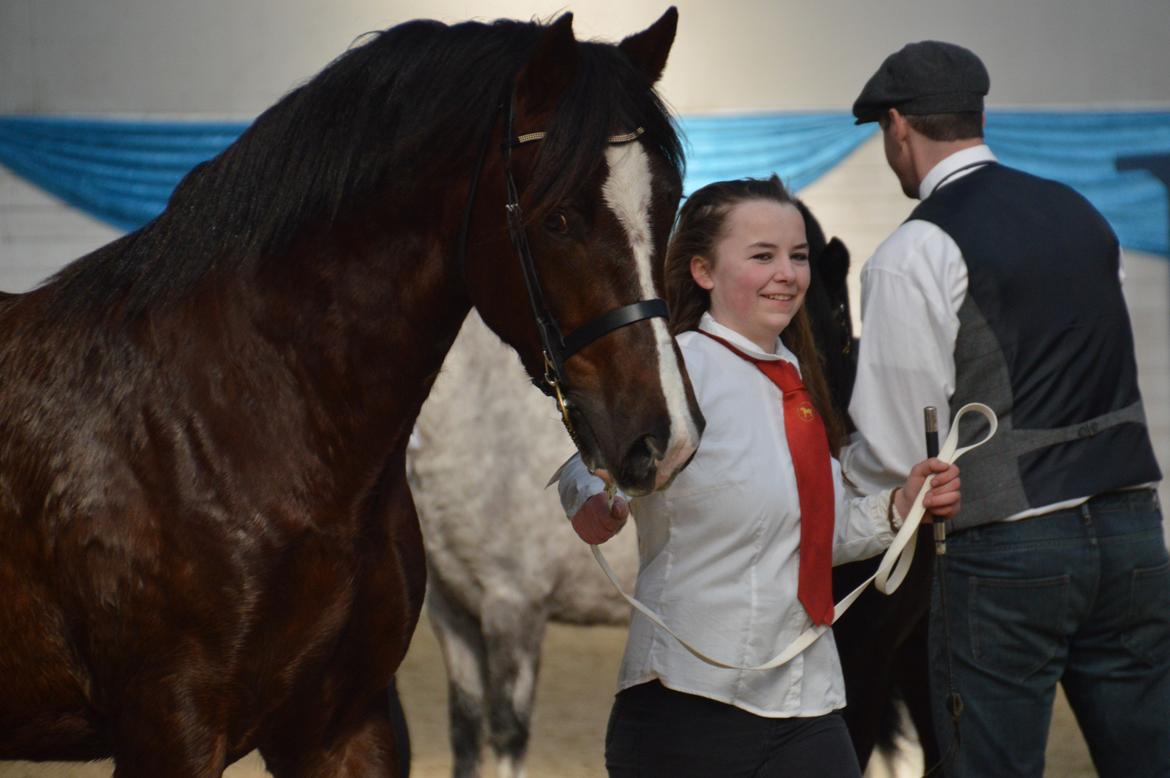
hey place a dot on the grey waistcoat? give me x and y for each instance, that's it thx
(1045, 340)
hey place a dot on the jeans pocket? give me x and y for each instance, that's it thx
(1147, 631)
(1017, 625)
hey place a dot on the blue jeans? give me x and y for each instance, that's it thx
(1080, 597)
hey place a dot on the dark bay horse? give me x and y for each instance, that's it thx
(882, 642)
(207, 543)
(882, 639)
(827, 303)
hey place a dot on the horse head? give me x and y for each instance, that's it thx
(828, 307)
(596, 165)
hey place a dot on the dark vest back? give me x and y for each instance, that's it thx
(1045, 340)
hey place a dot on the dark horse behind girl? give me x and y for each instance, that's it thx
(207, 543)
(881, 639)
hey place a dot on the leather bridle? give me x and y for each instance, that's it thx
(557, 348)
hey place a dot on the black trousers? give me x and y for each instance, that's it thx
(655, 731)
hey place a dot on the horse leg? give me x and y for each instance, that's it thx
(351, 738)
(464, 656)
(161, 730)
(910, 668)
(513, 629)
(866, 662)
(336, 723)
(912, 678)
(865, 638)
(401, 730)
(364, 748)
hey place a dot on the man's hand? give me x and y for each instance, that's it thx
(596, 522)
(944, 498)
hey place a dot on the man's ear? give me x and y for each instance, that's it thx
(897, 123)
(701, 273)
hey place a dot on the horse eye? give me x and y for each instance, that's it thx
(557, 222)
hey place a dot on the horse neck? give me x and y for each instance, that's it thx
(363, 329)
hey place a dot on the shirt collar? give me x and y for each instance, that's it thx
(707, 323)
(968, 156)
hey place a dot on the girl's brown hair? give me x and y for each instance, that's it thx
(699, 227)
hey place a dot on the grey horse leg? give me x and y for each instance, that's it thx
(513, 629)
(463, 651)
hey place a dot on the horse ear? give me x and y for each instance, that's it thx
(649, 49)
(835, 262)
(812, 231)
(551, 68)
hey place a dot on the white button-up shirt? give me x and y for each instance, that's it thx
(719, 547)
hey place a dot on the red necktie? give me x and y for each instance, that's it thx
(808, 445)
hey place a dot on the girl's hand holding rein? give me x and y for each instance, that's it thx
(597, 521)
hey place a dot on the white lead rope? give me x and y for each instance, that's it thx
(891, 572)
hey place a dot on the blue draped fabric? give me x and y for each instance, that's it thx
(124, 171)
(799, 147)
(1081, 149)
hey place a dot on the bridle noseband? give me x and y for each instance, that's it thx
(557, 348)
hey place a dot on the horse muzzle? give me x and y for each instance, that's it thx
(652, 460)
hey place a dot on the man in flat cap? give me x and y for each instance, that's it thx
(1005, 288)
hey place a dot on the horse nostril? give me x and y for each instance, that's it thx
(655, 446)
(640, 454)
(639, 466)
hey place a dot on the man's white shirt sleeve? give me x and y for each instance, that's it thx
(912, 288)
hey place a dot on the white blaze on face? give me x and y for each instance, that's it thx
(627, 193)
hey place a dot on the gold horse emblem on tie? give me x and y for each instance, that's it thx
(806, 412)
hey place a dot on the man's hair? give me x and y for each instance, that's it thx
(948, 126)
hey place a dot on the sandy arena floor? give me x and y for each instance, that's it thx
(576, 688)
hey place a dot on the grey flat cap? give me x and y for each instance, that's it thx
(924, 78)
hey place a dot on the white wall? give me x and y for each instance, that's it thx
(39, 233)
(234, 57)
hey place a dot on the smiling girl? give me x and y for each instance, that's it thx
(736, 553)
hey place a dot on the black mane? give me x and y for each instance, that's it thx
(418, 91)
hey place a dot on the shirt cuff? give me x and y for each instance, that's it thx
(877, 508)
(893, 516)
